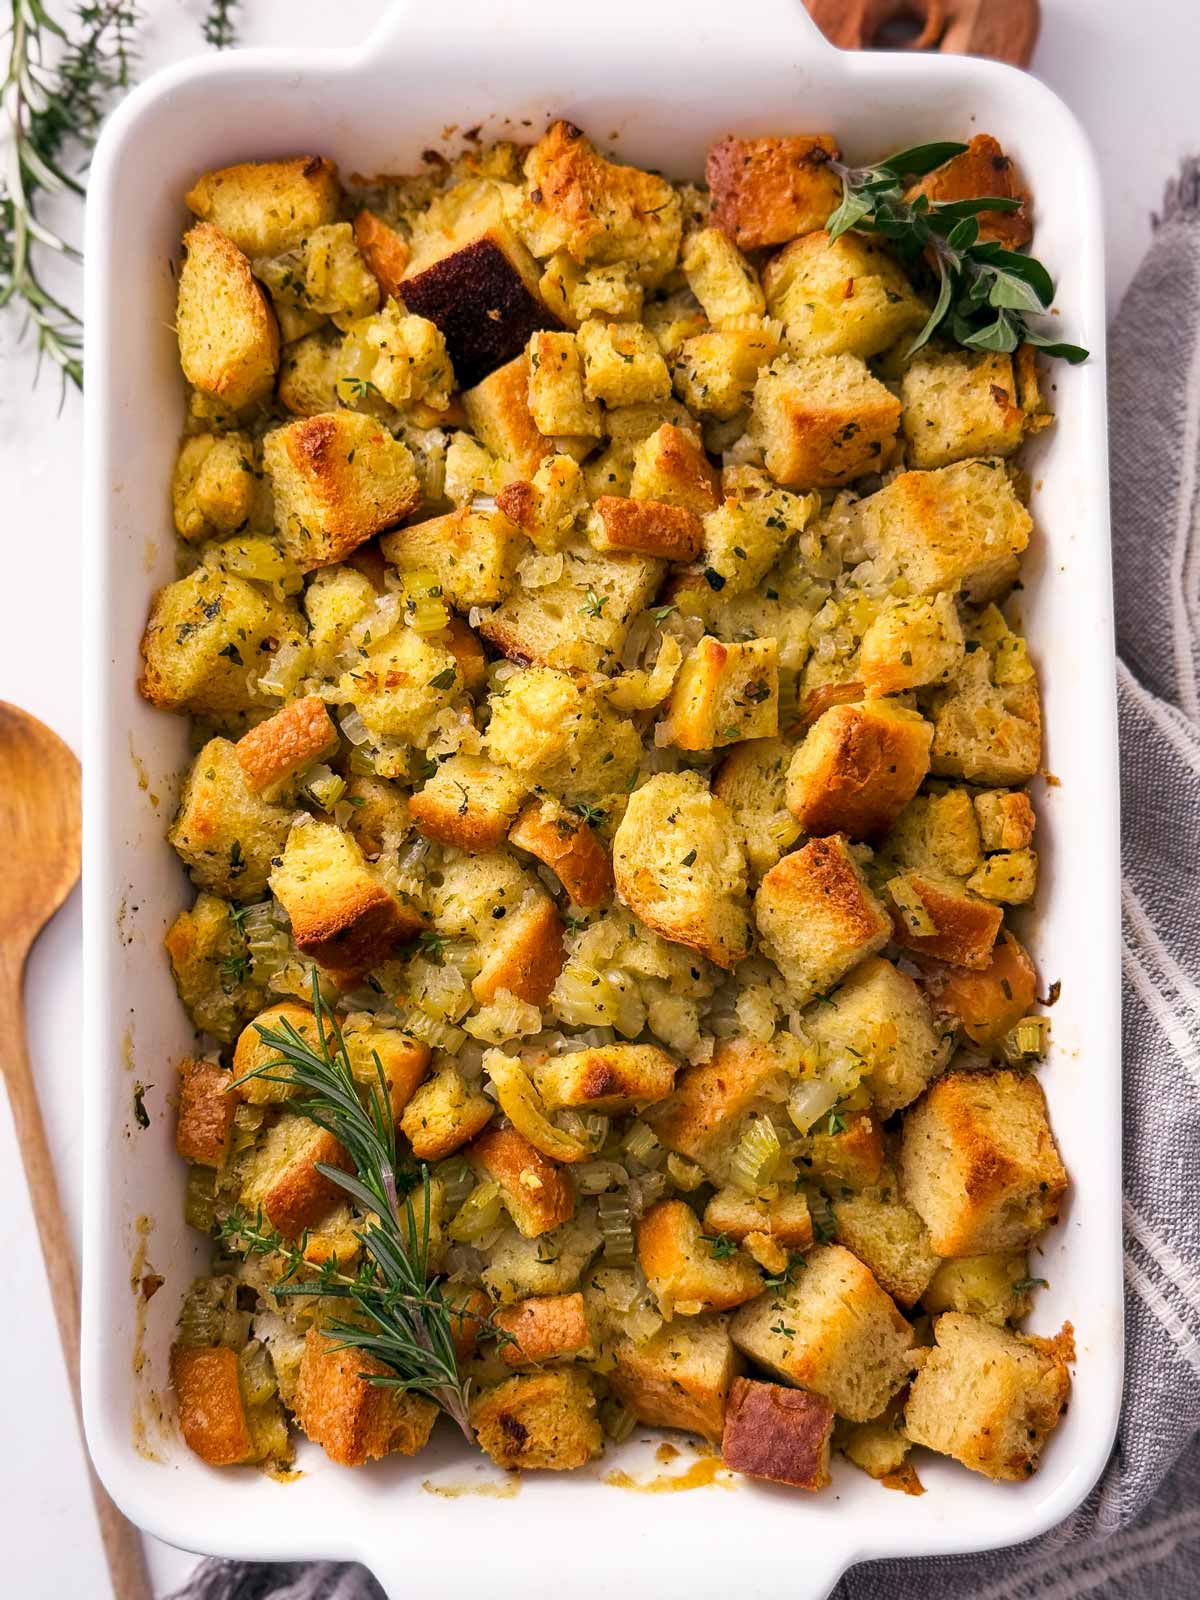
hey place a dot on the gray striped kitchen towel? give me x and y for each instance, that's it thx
(1138, 1534)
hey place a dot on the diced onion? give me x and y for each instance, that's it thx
(594, 1177)
(810, 1100)
(324, 787)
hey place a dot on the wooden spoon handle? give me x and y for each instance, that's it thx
(121, 1540)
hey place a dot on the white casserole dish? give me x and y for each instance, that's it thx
(659, 90)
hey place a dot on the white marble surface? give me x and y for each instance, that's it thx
(1129, 73)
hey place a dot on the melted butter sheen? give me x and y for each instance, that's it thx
(702, 1474)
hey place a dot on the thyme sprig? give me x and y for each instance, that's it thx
(220, 26)
(51, 110)
(985, 293)
(404, 1318)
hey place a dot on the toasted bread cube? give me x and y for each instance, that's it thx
(714, 372)
(394, 359)
(538, 1195)
(544, 1328)
(228, 336)
(982, 170)
(767, 191)
(988, 1397)
(204, 1121)
(911, 644)
(785, 1220)
(1006, 819)
(752, 781)
(670, 467)
(720, 277)
(548, 1263)
(544, 1420)
(579, 621)
(962, 524)
(574, 293)
(622, 364)
(468, 654)
(833, 1331)
(205, 634)
(612, 1079)
(215, 488)
(1009, 876)
(370, 1050)
(308, 374)
(996, 1287)
(337, 281)
(937, 834)
(498, 411)
(226, 836)
(704, 1116)
(524, 953)
(206, 948)
(400, 683)
(724, 693)
(745, 535)
(817, 918)
(278, 751)
(556, 399)
(986, 732)
(351, 1418)
(679, 1377)
(779, 1434)
(265, 207)
(979, 1162)
(565, 843)
(844, 296)
(858, 768)
(959, 405)
(990, 1002)
(938, 918)
(879, 1015)
(821, 421)
(685, 1275)
(469, 802)
(679, 865)
(444, 1113)
(341, 914)
(546, 507)
(338, 479)
(282, 1175)
(889, 1237)
(647, 527)
(384, 251)
(562, 735)
(471, 275)
(598, 211)
(212, 1411)
(850, 1158)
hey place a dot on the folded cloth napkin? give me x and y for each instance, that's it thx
(1138, 1533)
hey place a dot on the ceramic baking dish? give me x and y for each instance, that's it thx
(657, 88)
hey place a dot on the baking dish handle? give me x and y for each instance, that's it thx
(778, 19)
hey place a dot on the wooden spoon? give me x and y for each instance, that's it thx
(40, 819)
(1006, 30)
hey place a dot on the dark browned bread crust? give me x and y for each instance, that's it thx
(777, 1433)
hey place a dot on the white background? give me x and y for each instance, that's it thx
(1127, 70)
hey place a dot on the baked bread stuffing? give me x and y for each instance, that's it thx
(612, 735)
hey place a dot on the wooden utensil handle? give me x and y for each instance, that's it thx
(121, 1540)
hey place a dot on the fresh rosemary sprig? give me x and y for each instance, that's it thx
(49, 109)
(406, 1321)
(986, 294)
(220, 29)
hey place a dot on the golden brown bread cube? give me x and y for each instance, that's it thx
(844, 296)
(936, 917)
(544, 1420)
(473, 554)
(985, 731)
(545, 507)
(988, 1397)
(938, 834)
(857, 769)
(991, 1001)
(785, 1219)
(338, 478)
(888, 1236)
(752, 781)
(1006, 819)
(979, 1163)
(228, 336)
(206, 949)
(817, 918)
(226, 836)
(561, 734)
(822, 421)
(206, 636)
(670, 466)
(351, 1418)
(832, 1331)
(715, 371)
(265, 207)
(779, 1434)
(444, 1114)
(282, 1176)
(523, 954)
(622, 364)
(276, 752)
(612, 1079)
(724, 693)
(215, 485)
(720, 277)
(711, 1101)
(685, 1275)
(469, 802)
(497, 408)
(982, 170)
(1009, 876)
(341, 914)
(384, 251)
(910, 644)
(204, 1121)
(997, 1288)
(538, 1195)
(369, 1049)
(212, 1412)
(648, 527)
(565, 843)
(959, 404)
(849, 1157)
(544, 1328)
(767, 191)
(679, 1377)
(678, 864)
(557, 402)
